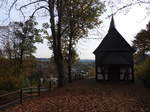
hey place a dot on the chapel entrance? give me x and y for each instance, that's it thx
(114, 73)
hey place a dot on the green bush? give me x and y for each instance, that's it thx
(142, 71)
(12, 83)
(12, 76)
(8, 83)
(24, 82)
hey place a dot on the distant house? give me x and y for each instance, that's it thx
(114, 57)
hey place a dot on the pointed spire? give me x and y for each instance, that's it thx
(112, 24)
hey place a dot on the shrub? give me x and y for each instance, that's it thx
(12, 76)
(10, 82)
(142, 71)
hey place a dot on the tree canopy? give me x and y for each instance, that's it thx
(68, 20)
(142, 40)
(78, 16)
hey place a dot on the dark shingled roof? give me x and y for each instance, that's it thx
(114, 58)
(113, 41)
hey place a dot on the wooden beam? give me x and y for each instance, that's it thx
(96, 70)
(133, 73)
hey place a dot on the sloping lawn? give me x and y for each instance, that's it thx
(90, 96)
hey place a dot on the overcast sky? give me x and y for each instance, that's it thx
(127, 24)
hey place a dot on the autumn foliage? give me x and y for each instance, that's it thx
(90, 96)
(13, 75)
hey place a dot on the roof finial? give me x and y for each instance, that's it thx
(112, 24)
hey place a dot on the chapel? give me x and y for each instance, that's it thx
(114, 57)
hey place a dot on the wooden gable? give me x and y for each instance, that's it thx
(113, 41)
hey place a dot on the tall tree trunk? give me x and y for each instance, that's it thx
(56, 35)
(70, 51)
(69, 63)
(21, 56)
(60, 55)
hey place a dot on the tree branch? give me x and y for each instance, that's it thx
(31, 3)
(1, 4)
(64, 30)
(22, 14)
(129, 5)
(42, 7)
(11, 7)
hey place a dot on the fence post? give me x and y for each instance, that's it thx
(39, 90)
(31, 92)
(50, 85)
(21, 96)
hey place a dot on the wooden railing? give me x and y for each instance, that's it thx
(17, 97)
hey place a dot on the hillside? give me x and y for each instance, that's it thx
(81, 60)
(90, 96)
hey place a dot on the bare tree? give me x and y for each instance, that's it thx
(119, 6)
(6, 42)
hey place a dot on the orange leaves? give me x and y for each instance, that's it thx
(85, 96)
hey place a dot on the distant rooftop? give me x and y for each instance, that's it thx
(42, 59)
